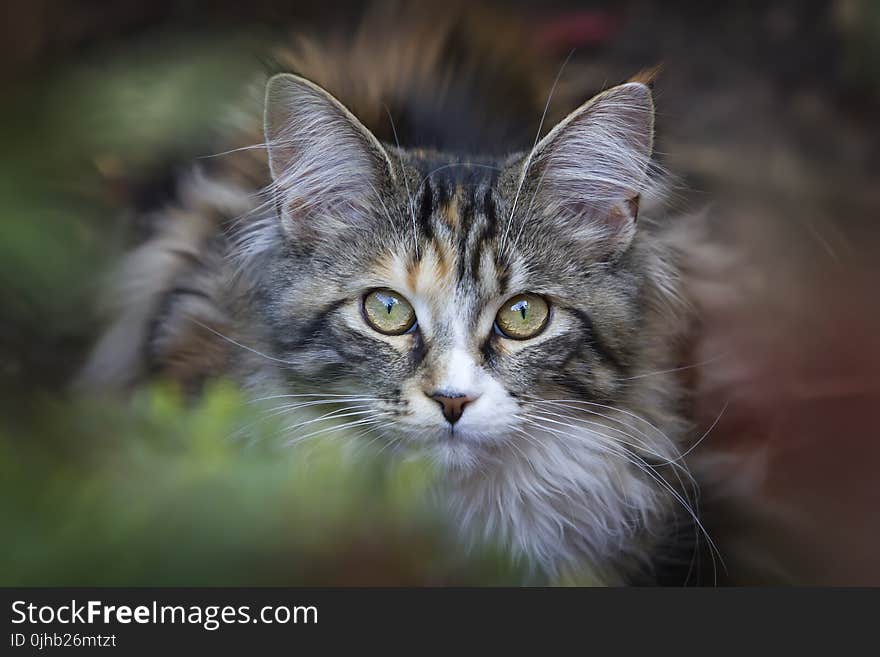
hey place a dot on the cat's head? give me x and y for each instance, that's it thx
(445, 298)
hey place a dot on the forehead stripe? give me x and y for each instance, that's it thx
(426, 210)
(466, 225)
(488, 233)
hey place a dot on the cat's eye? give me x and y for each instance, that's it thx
(523, 316)
(388, 312)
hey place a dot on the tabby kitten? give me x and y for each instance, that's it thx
(512, 316)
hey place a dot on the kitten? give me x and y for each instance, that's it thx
(509, 308)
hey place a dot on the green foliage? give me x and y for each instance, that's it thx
(158, 492)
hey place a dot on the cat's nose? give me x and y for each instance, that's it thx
(452, 404)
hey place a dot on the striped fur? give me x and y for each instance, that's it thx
(570, 453)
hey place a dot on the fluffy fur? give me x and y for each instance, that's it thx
(570, 453)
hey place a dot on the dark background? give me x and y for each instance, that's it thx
(767, 112)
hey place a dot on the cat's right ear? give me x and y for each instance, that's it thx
(327, 168)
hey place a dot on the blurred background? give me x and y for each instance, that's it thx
(767, 114)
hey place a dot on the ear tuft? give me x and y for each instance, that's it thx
(647, 76)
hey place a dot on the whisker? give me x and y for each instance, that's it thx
(581, 402)
(332, 415)
(678, 466)
(238, 344)
(648, 470)
(528, 161)
(285, 409)
(316, 394)
(529, 209)
(708, 431)
(252, 147)
(708, 361)
(412, 203)
(637, 443)
(323, 432)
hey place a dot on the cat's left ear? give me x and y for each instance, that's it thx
(589, 171)
(327, 167)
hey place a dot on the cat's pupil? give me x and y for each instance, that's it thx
(521, 307)
(388, 301)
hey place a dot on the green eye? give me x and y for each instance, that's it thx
(522, 316)
(388, 312)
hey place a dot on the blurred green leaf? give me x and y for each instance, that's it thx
(158, 491)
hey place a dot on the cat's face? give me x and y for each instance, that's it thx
(446, 297)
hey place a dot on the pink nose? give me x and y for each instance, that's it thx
(452, 404)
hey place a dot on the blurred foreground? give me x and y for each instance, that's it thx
(767, 113)
(158, 493)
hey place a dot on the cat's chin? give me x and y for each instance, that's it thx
(455, 454)
(459, 449)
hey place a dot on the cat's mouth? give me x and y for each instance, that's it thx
(456, 435)
(454, 450)
(450, 433)
(446, 435)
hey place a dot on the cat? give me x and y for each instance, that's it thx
(410, 244)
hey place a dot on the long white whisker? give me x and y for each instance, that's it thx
(648, 470)
(242, 346)
(670, 461)
(286, 408)
(623, 411)
(412, 203)
(708, 361)
(528, 161)
(678, 466)
(316, 394)
(342, 427)
(626, 434)
(708, 431)
(529, 210)
(252, 147)
(332, 415)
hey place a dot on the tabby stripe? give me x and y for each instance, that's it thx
(426, 210)
(314, 328)
(595, 341)
(466, 213)
(487, 234)
(163, 310)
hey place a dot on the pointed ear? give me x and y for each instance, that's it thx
(327, 168)
(590, 170)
